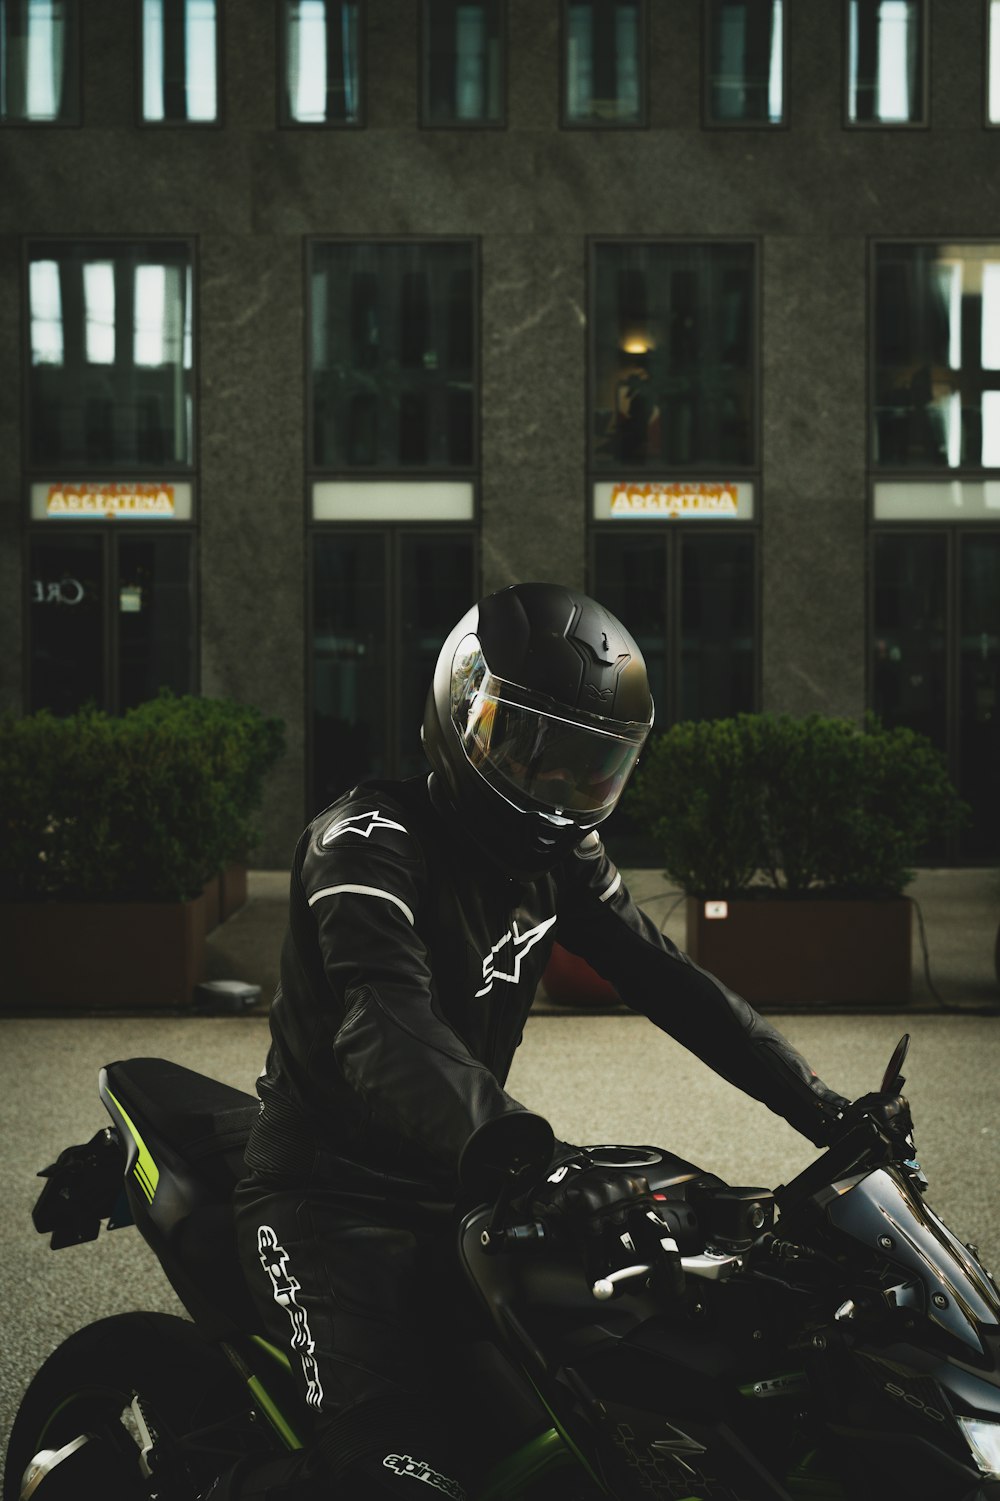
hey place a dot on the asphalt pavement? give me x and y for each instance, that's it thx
(598, 1077)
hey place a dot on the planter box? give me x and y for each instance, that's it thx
(232, 890)
(88, 955)
(806, 953)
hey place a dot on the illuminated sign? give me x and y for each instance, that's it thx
(111, 500)
(673, 500)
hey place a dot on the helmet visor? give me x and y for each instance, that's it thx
(534, 756)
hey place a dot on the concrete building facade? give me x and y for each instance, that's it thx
(813, 201)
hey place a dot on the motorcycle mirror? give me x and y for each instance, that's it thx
(893, 1081)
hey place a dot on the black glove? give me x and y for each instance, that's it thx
(892, 1114)
(514, 1146)
(612, 1217)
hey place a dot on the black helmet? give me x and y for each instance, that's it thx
(539, 708)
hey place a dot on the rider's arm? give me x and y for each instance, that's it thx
(599, 921)
(391, 1044)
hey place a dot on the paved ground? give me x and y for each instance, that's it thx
(598, 1077)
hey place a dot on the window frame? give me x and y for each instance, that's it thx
(884, 473)
(282, 113)
(643, 123)
(58, 469)
(924, 123)
(666, 471)
(390, 534)
(107, 531)
(75, 123)
(664, 531)
(707, 121)
(219, 121)
(423, 121)
(471, 473)
(987, 14)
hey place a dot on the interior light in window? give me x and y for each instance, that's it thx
(991, 315)
(99, 302)
(46, 313)
(893, 71)
(307, 52)
(775, 86)
(991, 430)
(199, 59)
(150, 305)
(954, 428)
(948, 276)
(152, 60)
(45, 42)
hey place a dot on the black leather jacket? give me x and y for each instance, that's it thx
(408, 970)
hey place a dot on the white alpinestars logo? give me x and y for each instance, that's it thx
(522, 942)
(360, 823)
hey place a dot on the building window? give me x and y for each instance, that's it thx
(463, 59)
(993, 62)
(110, 618)
(604, 62)
(393, 356)
(110, 378)
(935, 611)
(39, 62)
(886, 62)
(321, 62)
(935, 660)
(180, 62)
(745, 49)
(110, 385)
(936, 358)
(674, 356)
(382, 603)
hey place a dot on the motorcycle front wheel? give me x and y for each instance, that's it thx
(130, 1373)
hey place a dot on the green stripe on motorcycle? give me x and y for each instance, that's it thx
(273, 1413)
(145, 1169)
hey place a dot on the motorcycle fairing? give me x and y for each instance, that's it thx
(883, 1211)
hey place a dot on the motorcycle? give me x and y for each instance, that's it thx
(831, 1339)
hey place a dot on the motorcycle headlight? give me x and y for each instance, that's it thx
(983, 1438)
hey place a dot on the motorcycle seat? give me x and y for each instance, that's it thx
(204, 1121)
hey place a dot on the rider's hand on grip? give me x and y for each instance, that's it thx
(892, 1114)
(615, 1221)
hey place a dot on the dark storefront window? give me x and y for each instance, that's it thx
(462, 62)
(745, 74)
(382, 603)
(936, 659)
(604, 62)
(690, 601)
(109, 619)
(180, 68)
(674, 355)
(39, 62)
(393, 356)
(110, 378)
(67, 619)
(910, 633)
(886, 62)
(937, 356)
(321, 56)
(979, 691)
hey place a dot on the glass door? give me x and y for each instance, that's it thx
(382, 604)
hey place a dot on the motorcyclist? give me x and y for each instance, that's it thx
(421, 917)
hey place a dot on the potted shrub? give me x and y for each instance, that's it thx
(794, 840)
(111, 831)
